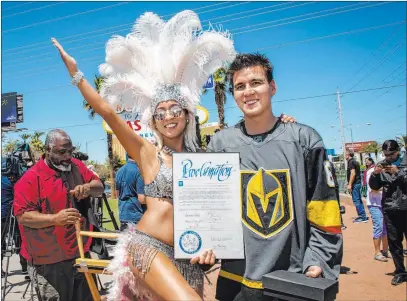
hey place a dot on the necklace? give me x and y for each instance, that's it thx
(168, 150)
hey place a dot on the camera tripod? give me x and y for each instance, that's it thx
(97, 207)
(11, 244)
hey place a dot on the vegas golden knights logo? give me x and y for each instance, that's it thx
(267, 206)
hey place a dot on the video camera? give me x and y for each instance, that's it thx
(80, 156)
(18, 162)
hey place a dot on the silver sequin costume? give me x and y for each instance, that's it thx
(161, 187)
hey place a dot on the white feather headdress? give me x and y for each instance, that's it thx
(160, 61)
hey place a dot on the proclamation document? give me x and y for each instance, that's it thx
(207, 205)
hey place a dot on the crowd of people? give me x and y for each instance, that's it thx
(386, 200)
(53, 195)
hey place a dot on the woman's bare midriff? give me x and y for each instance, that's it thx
(158, 220)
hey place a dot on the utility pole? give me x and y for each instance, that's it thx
(338, 98)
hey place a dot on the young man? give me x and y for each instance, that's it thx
(130, 191)
(391, 175)
(290, 213)
(43, 201)
(355, 187)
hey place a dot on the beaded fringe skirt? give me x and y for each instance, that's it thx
(142, 249)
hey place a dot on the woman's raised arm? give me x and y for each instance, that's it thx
(132, 143)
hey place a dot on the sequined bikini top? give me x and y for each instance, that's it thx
(161, 187)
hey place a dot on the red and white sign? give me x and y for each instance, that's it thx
(357, 146)
(133, 120)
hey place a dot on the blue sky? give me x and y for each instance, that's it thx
(301, 70)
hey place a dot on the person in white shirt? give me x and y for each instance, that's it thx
(374, 204)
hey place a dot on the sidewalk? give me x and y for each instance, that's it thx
(363, 278)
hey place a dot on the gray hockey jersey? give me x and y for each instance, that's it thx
(290, 212)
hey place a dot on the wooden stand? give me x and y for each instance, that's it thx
(90, 266)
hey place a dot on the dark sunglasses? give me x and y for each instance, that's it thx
(174, 112)
(389, 154)
(64, 151)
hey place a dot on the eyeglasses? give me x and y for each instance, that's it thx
(64, 151)
(389, 154)
(174, 112)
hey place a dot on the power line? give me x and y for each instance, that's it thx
(252, 10)
(379, 49)
(65, 17)
(300, 98)
(75, 40)
(391, 73)
(394, 77)
(332, 35)
(33, 9)
(264, 12)
(383, 60)
(385, 92)
(274, 46)
(48, 53)
(305, 19)
(103, 29)
(18, 5)
(82, 46)
(87, 37)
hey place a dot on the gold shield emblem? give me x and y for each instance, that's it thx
(267, 206)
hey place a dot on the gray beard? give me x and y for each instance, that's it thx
(61, 167)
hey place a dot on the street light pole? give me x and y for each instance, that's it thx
(87, 142)
(338, 97)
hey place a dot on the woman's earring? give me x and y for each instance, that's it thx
(187, 120)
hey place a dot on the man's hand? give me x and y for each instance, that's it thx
(206, 257)
(67, 217)
(350, 188)
(81, 191)
(392, 169)
(313, 271)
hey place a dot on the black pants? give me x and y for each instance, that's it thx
(251, 294)
(60, 281)
(396, 223)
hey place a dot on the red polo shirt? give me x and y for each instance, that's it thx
(42, 189)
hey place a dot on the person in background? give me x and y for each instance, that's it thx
(335, 179)
(354, 187)
(368, 165)
(374, 205)
(391, 176)
(44, 201)
(7, 196)
(130, 192)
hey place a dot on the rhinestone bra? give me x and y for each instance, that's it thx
(161, 187)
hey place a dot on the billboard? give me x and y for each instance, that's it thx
(19, 101)
(357, 146)
(8, 108)
(210, 83)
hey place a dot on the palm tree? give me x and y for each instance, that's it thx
(220, 94)
(98, 81)
(10, 146)
(25, 137)
(37, 145)
(402, 140)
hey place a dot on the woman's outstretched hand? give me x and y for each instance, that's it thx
(69, 61)
(206, 257)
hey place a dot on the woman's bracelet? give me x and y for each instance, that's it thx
(76, 78)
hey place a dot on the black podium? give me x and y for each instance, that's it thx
(290, 286)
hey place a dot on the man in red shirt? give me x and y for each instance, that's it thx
(43, 203)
